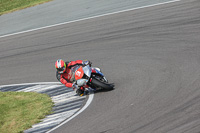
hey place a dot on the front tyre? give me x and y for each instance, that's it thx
(101, 84)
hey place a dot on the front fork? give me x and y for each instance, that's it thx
(96, 73)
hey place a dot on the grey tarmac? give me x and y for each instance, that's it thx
(59, 11)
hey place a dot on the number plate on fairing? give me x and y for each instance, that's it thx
(79, 73)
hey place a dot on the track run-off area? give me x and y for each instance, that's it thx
(151, 54)
(66, 103)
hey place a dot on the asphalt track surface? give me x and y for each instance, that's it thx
(152, 56)
(59, 11)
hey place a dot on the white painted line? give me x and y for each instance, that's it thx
(71, 100)
(37, 83)
(64, 114)
(89, 101)
(58, 97)
(29, 89)
(48, 87)
(45, 27)
(66, 103)
(65, 99)
(42, 124)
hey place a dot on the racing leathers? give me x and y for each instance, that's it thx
(67, 79)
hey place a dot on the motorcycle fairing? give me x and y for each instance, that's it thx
(96, 71)
(79, 73)
(82, 79)
(81, 82)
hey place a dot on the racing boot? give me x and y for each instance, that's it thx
(80, 91)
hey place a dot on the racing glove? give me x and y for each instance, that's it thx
(75, 86)
(87, 62)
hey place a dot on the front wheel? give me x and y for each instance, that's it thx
(101, 84)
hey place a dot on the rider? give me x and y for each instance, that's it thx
(64, 74)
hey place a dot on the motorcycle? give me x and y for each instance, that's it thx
(89, 77)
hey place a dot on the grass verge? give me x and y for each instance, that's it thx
(20, 110)
(7, 6)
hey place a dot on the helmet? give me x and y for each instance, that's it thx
(60, 66)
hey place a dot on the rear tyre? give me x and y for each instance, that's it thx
(101, 84)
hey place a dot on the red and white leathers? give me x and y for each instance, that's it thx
(66, 78)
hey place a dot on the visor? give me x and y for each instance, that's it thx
(61, 70)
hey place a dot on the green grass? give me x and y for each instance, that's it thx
(7, 6)
(20, 110)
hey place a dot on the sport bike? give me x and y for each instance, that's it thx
(87, 76)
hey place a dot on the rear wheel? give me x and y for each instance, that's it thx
(104, 85)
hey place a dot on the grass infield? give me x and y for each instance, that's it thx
(7, 6)
(20, 110)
